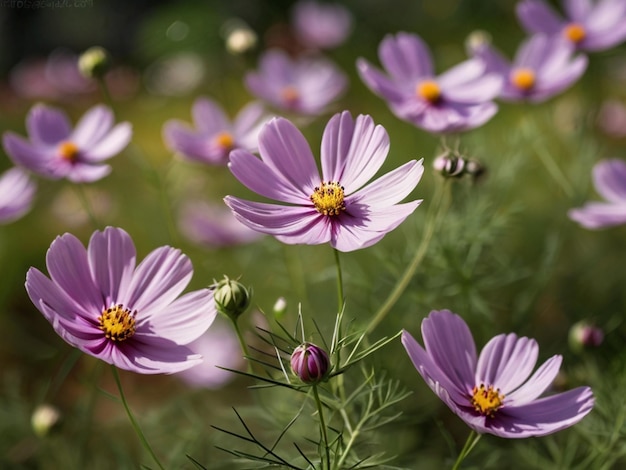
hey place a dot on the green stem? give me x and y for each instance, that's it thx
(133, 421)
(472, 439)
(105, 92)
(434, 214)
(339, 383)
(320, 412)
(339, 282)
(82, 195)
(242, 343)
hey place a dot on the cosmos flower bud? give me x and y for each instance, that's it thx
(453, 166)
(44, 418)
(584, 335)
(231, 297)
(94, 62)
(310, 363)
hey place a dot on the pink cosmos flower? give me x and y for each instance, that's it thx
(214, 226)
(588, 25)
(609, 179)
(543, 67)
(214, 135)
(457, 100)
(335, 207)
(130, 316)
(306, 85)
(17, 191)
(494, 392)
(321, 25)
(55, 151)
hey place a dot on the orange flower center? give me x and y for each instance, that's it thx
(290, 94)
(429, 90)
(487, 400)
(118, 323)
(328, 198)
(524, 79)
(68, 151)
(574, 32)
(225, 140)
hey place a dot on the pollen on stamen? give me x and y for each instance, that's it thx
(225, 140)
(429, 90)
(328, 198)
(575, 32)
(68, 151)
(487, 400)
(523, 78)
(290, 94)
(117, 322)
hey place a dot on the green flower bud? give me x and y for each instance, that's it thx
(44, 418)
(94, 62)
(231, 297)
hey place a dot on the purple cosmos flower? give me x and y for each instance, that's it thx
(215, 136)
(457, 100)
(220, 348)
(56, 151)
(334, 207)
(214, 226)
(543, 67)
(493, 393)
(305, 85)
(321, 26)
(17, 191)
(609, 179)
(131, 317)
(588, 25)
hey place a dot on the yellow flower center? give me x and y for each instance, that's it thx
(68, 151)
(290, 94)
(328, 198)
(487, 400)
(574, 32)
(225, 140)
(524, 79)
(429, 90)
(118, 323)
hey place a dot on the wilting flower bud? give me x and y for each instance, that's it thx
(310, 363)
(94, 62)
(231, 297)
(585, 335)
(44, 418)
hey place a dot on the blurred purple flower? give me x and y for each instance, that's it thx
(457, 100)
(543, 67)
(321, 25)
(609, 179)
(17, 191)
(56, 151)
(305, 85)
(214, 226)
(214, 135)
(612, 118)
(334, 207)
(494, 393)
(588, 25)
(131, 317)
(219, 347)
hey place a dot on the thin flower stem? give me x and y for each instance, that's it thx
(242, 343)
(339, 383)
(436, 212)
(320, 411)
(105, 93)
(82, 195)
(472, 439)
(339, 282)
(134, 422)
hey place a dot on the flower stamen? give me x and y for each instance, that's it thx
(575, 32)
(429, 90)
(225, 140)
(328, 198)
(290, 95)
(68, 151)
(487, 400)
(523, 78)
(118, 323)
